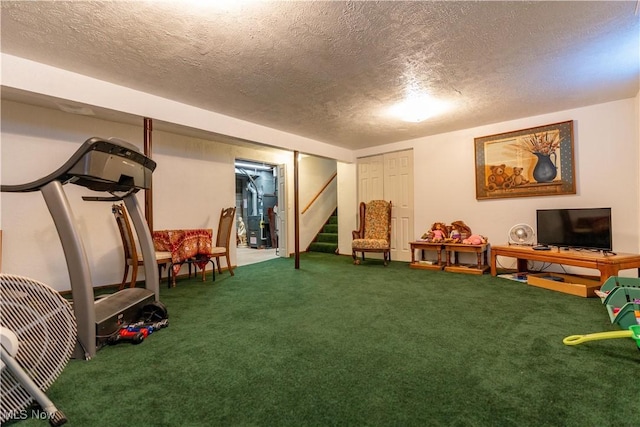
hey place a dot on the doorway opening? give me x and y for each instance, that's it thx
(256, 211)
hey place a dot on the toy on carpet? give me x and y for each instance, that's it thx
(633, 332)
(135, 333)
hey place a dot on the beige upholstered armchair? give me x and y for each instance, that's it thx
(374, 234)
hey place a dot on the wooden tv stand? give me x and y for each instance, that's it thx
(608, 265)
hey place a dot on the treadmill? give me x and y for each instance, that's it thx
(116, 167)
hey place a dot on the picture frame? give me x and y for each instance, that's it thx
(530, 162)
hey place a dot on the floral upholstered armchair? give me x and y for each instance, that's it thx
(374, 234)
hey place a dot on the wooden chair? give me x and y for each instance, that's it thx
(223, 240)
(131, 256)
(227, 220)
(374, 234)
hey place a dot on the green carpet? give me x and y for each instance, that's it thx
(338, 344)
(327, 239)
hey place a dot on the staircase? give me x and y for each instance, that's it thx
(327, 238)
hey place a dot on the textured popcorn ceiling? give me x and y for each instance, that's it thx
(328, 70)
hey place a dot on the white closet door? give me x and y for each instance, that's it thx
(398, 187)
(390, 177)
(281, 220)
(370, 178)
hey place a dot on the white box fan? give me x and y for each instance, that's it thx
(38, 335)
(522, 234)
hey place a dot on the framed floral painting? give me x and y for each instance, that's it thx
(529, 162)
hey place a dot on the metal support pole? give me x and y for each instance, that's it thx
(148, 151)
(296, 210)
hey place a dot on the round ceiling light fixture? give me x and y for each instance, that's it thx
(418, 107)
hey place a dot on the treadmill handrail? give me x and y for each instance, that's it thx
(112, 198)
(62, 174)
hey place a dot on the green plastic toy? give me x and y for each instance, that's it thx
(633, 332)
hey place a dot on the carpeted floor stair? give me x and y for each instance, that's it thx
(327, 240)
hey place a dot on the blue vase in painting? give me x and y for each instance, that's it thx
(545, 169)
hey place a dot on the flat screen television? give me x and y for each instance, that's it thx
(588, 228)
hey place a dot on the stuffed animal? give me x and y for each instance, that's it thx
(498, 178)
(475, 239)
(517, 178)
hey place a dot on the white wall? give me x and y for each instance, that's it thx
(30, 76)
(347, 205)
(192, 168)
(606, 145)
(193, 181)
(637, 115)
(36, 141)
(314, 174)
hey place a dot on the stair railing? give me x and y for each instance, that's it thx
(335, 174)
